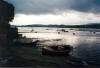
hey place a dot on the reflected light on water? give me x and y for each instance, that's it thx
(86, 44)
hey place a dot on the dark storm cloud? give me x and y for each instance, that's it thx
(55, 6)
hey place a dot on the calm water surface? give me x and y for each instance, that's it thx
(86, 42)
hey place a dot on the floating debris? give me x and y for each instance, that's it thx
(73, 33)
(58, 32)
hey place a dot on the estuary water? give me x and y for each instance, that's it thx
(86, 42)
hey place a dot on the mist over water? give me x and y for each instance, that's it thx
(86, 43)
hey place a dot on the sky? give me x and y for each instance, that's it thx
(68, 12)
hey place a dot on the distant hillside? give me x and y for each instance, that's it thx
(90, 25)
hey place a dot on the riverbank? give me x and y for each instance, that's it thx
(32, 57)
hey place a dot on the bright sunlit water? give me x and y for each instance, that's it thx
(86, 42)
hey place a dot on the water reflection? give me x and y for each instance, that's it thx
(86, 44)
(89, 49)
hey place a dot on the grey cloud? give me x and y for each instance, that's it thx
(54, 6)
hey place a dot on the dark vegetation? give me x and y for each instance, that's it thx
(91, 25)
(7, 34)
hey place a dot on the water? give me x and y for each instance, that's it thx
(86, 43)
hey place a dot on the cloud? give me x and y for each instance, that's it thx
(72, 18)
(56, 11)
(55, 6)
